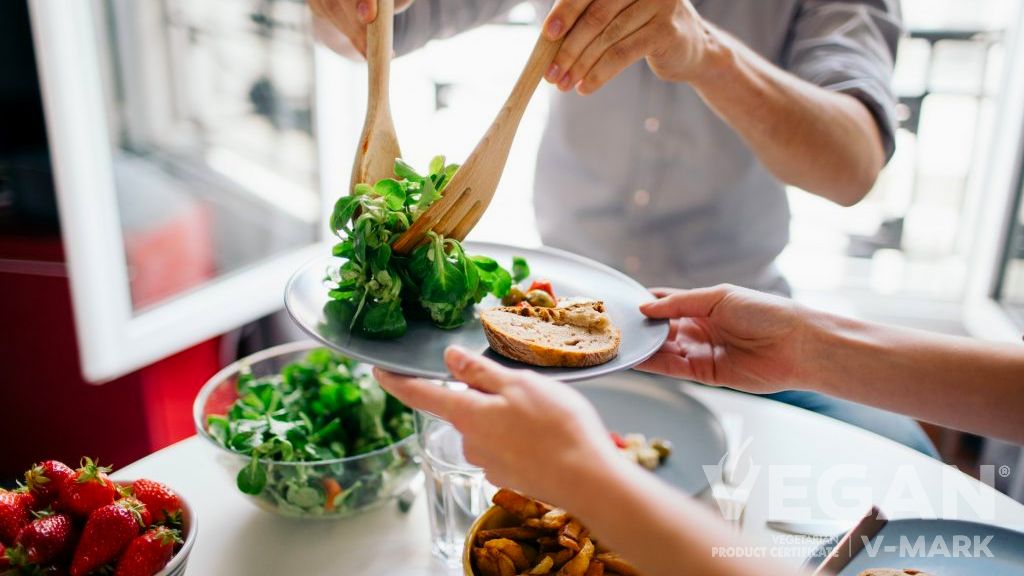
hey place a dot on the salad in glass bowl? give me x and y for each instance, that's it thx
(307, 432)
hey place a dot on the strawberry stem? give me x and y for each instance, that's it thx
(90, 471)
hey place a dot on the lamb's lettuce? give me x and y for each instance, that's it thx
(375, 288)
(319, 408)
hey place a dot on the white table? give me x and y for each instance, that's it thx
(795, 449)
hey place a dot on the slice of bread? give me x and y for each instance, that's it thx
(573, 336)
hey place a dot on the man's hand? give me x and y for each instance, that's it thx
(528, 432)
(728, 336)
(603, 37)
(349, 17)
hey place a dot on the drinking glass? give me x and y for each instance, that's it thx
(457, 492)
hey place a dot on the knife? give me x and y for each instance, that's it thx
(850, 545)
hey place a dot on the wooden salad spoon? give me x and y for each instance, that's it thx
(378, 144)
(471, 189)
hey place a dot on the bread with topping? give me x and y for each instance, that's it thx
(576, 334)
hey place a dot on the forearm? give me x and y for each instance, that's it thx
(664, 532)
(825, 142)
(958, 382)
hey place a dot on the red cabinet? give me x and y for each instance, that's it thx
(46, 408)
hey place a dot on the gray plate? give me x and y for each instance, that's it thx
(1006, 546)
(655, 407)
(420, 351)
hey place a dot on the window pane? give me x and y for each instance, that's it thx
(209, 107)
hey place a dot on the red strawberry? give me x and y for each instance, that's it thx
(5, 562)
(45, 479)
(47, 538)
(107, 531)
(134, 504)
(87, 490)
(148, 554)
(13, 557)
(158, 498)
(15, 513)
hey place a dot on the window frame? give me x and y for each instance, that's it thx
(985, 315)
(113, 338)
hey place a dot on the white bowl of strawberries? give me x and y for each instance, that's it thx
(77, 522)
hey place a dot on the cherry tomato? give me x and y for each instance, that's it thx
(619, 441)
(544, 285)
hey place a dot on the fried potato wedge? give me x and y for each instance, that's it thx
(553, 520)
(505, 565)
(511, 550)
(512, 533)
(615, 563)
(543, 567)
(580, 562)
(561, 557)
(542, 541)
(485, 563)
(570, 534)
(518, 505)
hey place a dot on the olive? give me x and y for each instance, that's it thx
(514, 296)
(540, 298)
(662, 447)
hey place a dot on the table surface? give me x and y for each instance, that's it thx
(794, 455)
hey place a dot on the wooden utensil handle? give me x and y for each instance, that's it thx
(379, 45)
(540, 59)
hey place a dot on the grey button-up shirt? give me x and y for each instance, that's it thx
(643, 176)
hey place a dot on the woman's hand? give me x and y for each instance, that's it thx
(603, 37)
(349, 17)
(729, 336)
(528, 432)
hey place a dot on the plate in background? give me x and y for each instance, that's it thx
(656, 407)
(894, 547)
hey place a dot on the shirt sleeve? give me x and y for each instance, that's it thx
(426, 20)
(849, 46)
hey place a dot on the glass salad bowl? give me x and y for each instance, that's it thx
(307, 433)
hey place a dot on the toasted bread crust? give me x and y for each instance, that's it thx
(541, 354)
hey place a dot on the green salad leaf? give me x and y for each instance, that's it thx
(320, 408)
(252, 479)
(375, 289)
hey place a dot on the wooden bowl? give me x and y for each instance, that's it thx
(493, 517)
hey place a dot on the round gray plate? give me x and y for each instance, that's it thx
(420, 352)
(656, 407)
(1006, 547)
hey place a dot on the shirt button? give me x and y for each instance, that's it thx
(641, 197)
(632, 264)
(652, 124)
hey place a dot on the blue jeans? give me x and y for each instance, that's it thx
(893, 426)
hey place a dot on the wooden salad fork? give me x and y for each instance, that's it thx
(471, 189)
(378, 144)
